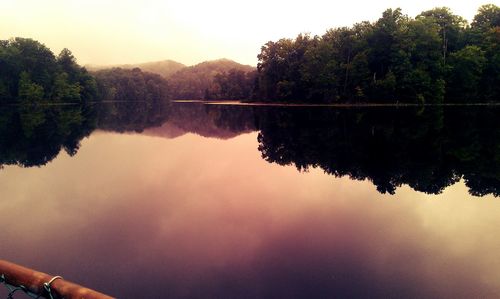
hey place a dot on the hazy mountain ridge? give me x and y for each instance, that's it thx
(164, 68)
(186, 82)
(194, 81)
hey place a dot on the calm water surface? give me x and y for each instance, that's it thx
(188, 207)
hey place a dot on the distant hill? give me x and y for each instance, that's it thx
(164, 68)
(192, 82)
(214, 121)
(187, 82)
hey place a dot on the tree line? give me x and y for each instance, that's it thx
(220, 79)
(234, 84)
(435, 57)
(118, 84)
(31, 73)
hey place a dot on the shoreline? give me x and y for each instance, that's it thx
(281, 104)
(268, 104)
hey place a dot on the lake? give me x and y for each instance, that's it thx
(218, 201)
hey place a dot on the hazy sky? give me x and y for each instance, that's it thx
(189, 31)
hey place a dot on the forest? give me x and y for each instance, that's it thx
(435, 58)
(30, 73)
(220, 79)
(118, 84)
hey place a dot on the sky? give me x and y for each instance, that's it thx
(106, 32)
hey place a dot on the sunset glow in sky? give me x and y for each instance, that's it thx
(189, 31)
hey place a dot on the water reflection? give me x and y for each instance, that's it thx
(34, 135)
(130, 116)
(147, 217)
(220, 121)
(428, 148)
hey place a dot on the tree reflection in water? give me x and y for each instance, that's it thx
(427, 148)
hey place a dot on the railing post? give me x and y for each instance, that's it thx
(34, 281)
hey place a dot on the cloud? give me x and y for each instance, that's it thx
(142, 217)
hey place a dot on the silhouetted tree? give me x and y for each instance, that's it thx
(395, 59)
(30, 72)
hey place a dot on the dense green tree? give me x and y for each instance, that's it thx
(342, 61)
(395, 59)
(28, 69)
(34, 58)
(67, 63)
(319, 72)
(235, 84)
(451, 28)
(488, 16)
(281, 66)
(466, 69)
(198, 81)
(77, 76)
(381, 42)
(417, 64)
(28, 91)
(131, 85)
(63, 91)
(490, 80)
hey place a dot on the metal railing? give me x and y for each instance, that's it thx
(21, 280)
